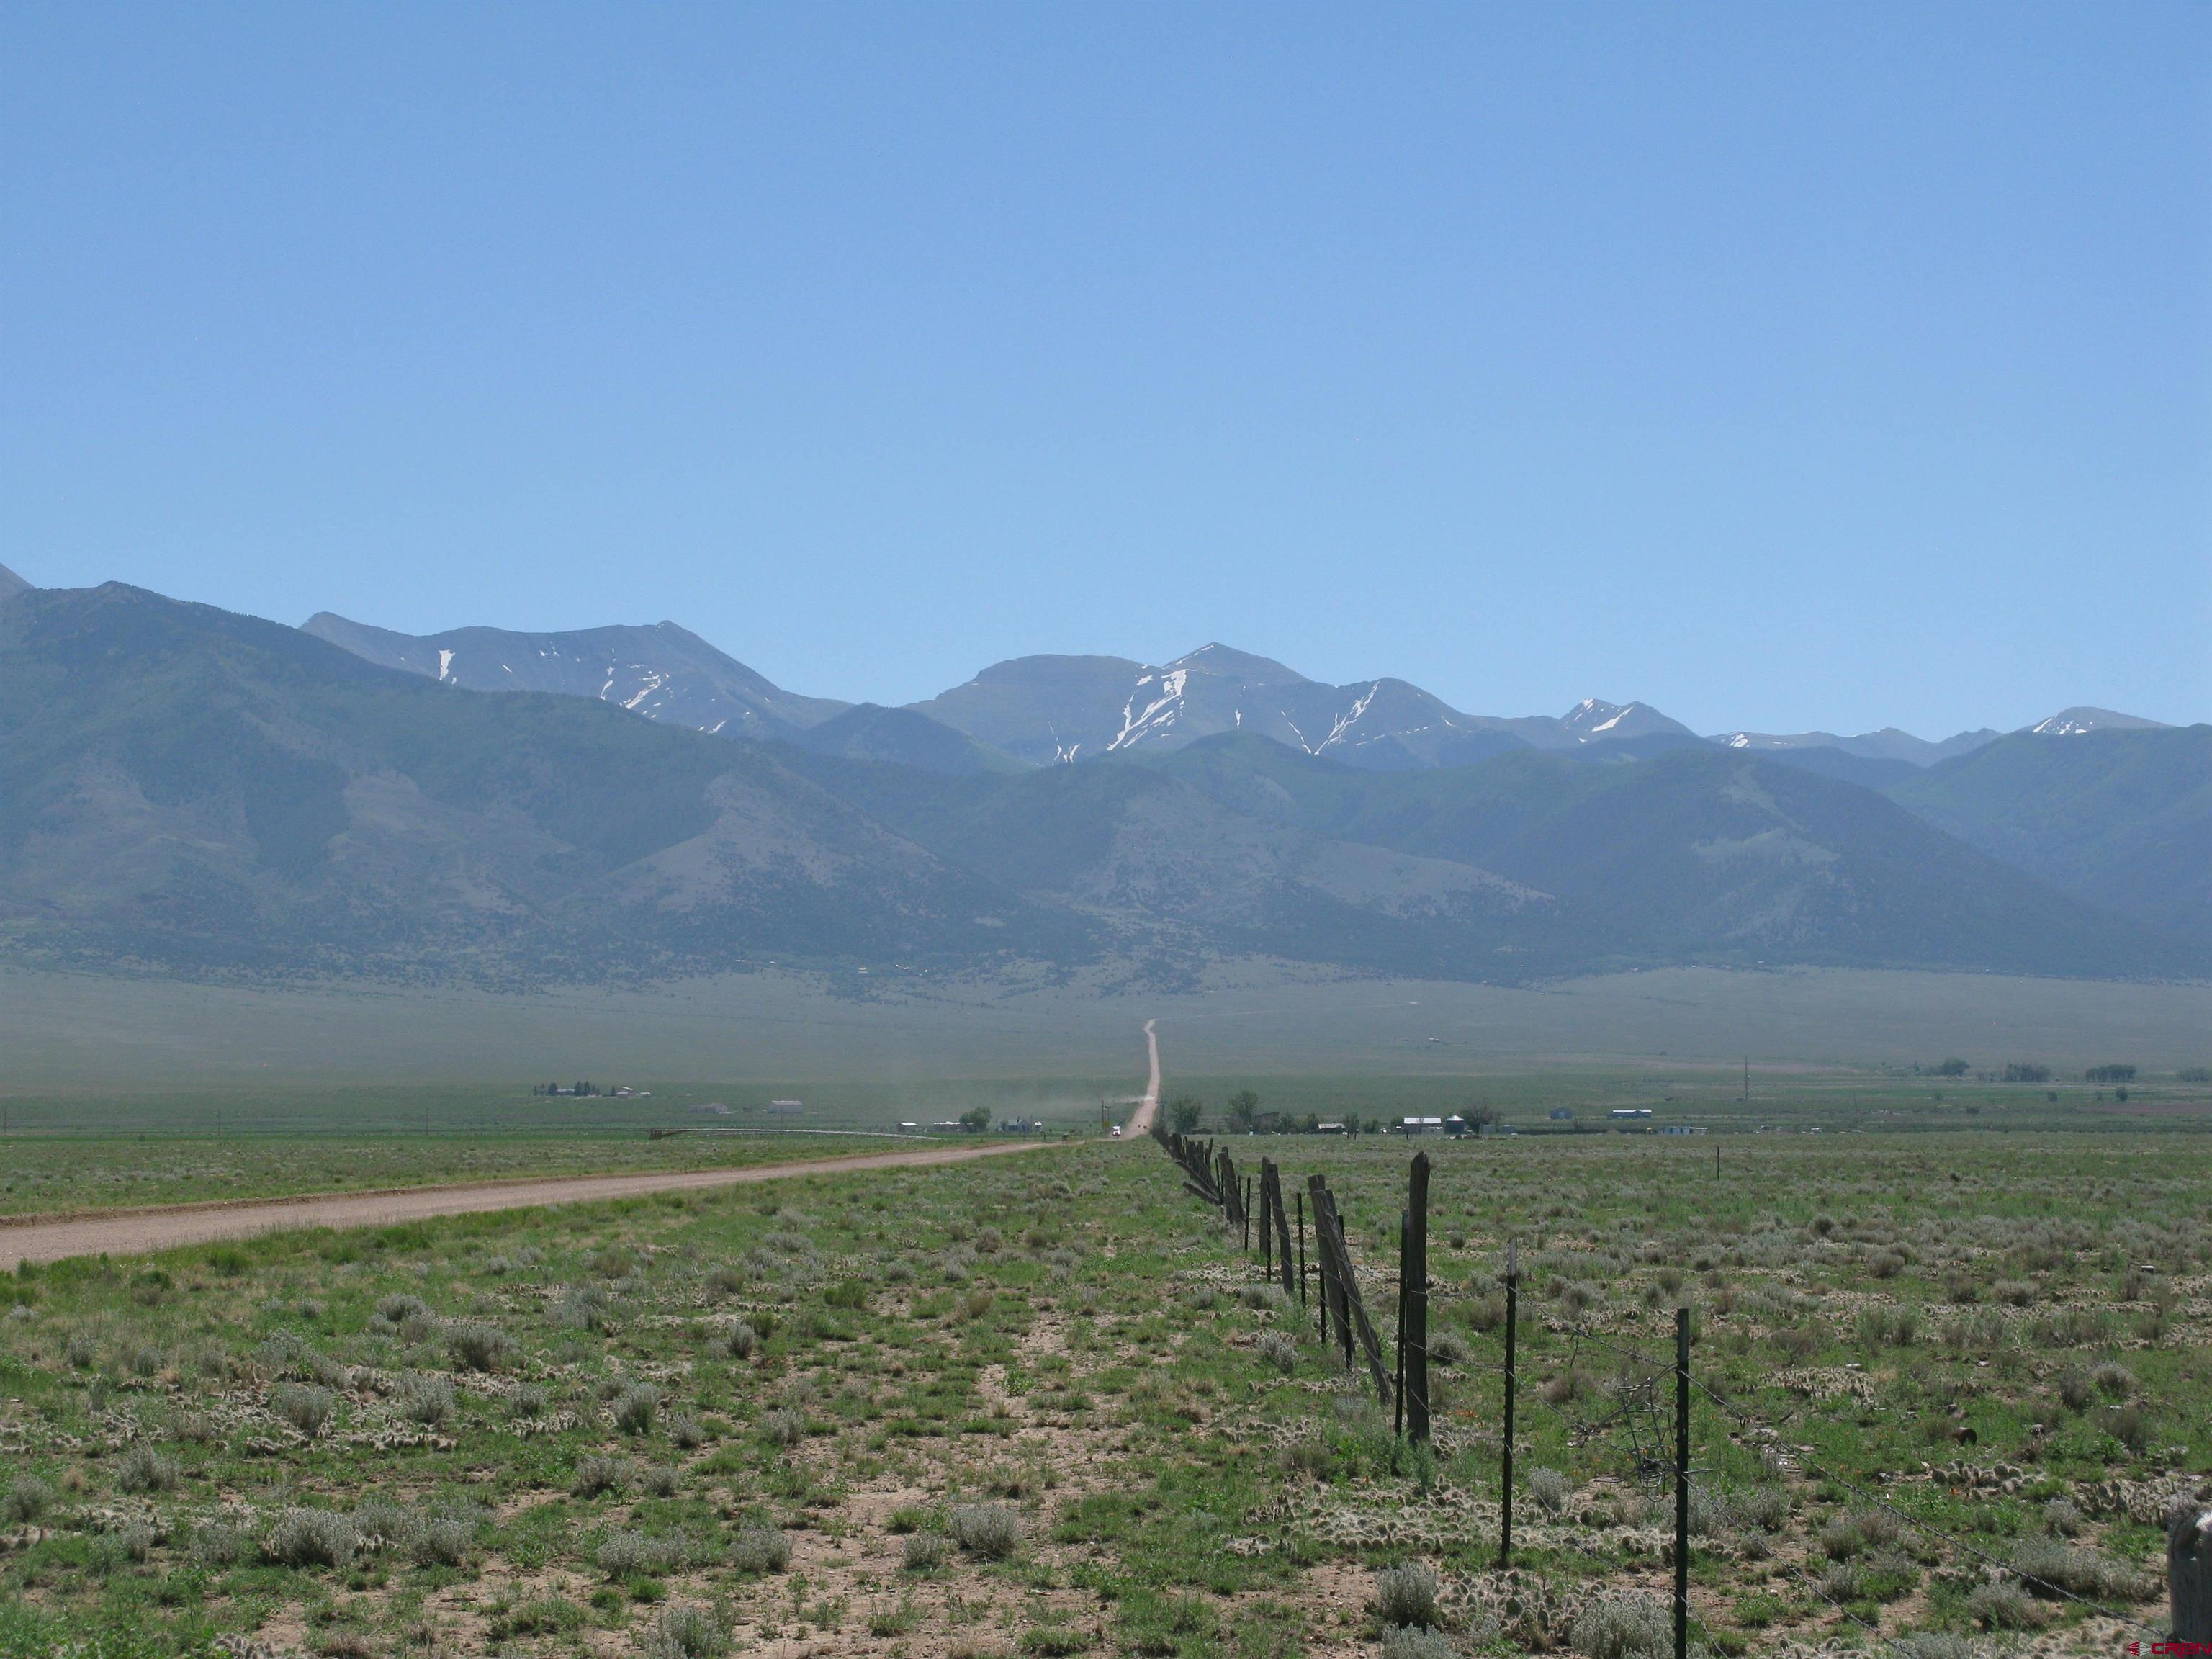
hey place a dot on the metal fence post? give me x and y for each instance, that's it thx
(1414, 1378)
(1512, 1323)
(1681, 1483)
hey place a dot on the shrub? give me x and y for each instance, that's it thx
(2115, 1379)
(2075, 1391)
(146, 1470)
(28, 1498)
(146, 1361)
(217, 1545)
(759, 1549)
(305, 1405)
(737, 1341)
(138, 1540)
(989, 1530)
(1412, 1642)
(598, 1473)
(687, 1431)
(311, 1538)
(660, 1482)
(477, 1346)
(783, 1427)
(1447, 1349)
(395, 1310)
(1766, 1507)
(426, 1399)
(923, 1552)
(2003, 1607)
(1405, 1595)
(441, 1541)
(686, 1632)
(580, 1307)
(528, 1401)
(1932, 1645)
(2048, 1566)
(622, 1555)
(1549, 1488)
(635, 1409)
(1277, 1350)
(1204, 1297)
(1630, 1626)
(725, 1280)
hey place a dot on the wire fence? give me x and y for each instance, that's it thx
(1628, 1415)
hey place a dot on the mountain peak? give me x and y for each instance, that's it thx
(11, 585)
(1219, 658)
(2082, 719)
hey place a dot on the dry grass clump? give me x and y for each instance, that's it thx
(991, 1531)
(1277, 1350)
(1549, 1488)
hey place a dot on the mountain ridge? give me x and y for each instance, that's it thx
(187, 791)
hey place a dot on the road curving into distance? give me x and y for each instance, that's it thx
(1140, 1120)
(138, 1232)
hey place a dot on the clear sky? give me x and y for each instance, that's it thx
(1781, 367)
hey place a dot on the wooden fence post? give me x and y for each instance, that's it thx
(2188, 1572)
(1302, 1262)
(1265, 1220)
(1398, 1377)
(1414, 1381)
(1282, 1234)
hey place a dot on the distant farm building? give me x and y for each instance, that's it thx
(786, 1108)
(1622, 1113)
(1421, 1126)
(1682, 1129)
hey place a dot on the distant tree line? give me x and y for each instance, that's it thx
(579, 1088)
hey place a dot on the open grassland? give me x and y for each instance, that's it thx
(1046, 1405)
(76, 1151)
(785, 1033)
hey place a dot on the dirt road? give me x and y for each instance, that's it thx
(1140, 1120)
(133, 1232)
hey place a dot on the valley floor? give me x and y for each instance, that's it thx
(1045, 1405)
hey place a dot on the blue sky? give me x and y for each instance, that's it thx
(1781, 367)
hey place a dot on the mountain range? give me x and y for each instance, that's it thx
(186, 790)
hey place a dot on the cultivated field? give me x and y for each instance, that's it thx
(1043, 1405)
